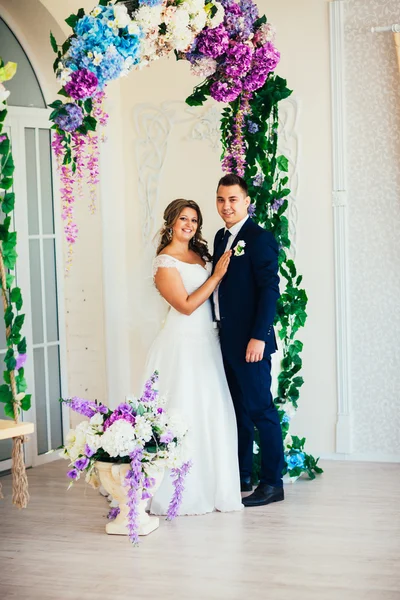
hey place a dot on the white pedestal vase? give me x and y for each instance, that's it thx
(112, 477)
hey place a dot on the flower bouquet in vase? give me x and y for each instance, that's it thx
(127, 450)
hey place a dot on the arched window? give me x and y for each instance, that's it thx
(24, 87)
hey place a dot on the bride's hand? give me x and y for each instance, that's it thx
(222, 265)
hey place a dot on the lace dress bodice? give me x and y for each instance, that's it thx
(193, 276)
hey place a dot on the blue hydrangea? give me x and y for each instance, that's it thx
(90, 29)
(150, 2)
(252, 127)
(285, 418)
(295, 460)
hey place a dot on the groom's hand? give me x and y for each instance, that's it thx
(255, 350)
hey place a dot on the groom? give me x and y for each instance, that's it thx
(244, 309)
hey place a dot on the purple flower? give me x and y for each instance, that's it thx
(238, 60)
(21, 360)
(149, 393)
(213, 42)
(167, 437)
(251, 210)
(149, 482)
(82, 463)
(124, 411)
(113, 513)
(264, 61)
(73, 474)
(133, 482)
(258, 180)
(83, 84)
(160, 410)
(224, 91)
(178, 476)
(145, 494)
(277, 203)
(252, 127)
(85, 407)
(89, 451)
(2, 138)
(70, 117)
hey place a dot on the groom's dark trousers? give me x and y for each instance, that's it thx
(247, 304)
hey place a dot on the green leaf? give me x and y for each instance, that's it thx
(90, 122)
(21, 383)
(5, 394)
(26, 402)
(7, 166)
(9, 410)
(6, 377)
(6, 183)
(8, 203)
(298, 381)
(62, 92)
(282, 163)
(16, 297)
(66, 45)
(22, 346)
(55, 104)
(19, 321)
(10, 360)
(88, 104)
(10, 257)
(72, 20)
(9, 280)
(200, 94)
(53, 43)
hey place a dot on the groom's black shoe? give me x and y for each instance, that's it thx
(246, 485)
(264, 494)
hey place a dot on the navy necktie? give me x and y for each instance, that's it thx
(224, 240)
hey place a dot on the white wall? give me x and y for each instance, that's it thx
(373, 147)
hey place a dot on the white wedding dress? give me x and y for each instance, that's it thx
(187, 355)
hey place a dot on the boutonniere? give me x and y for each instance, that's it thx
(239, 248)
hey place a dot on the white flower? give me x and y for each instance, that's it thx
(288, 440)
(133, 28)
(122, 18)
(64, 75)
(204, 67)
(98, 57)
(76, 440)
(239, 248)
(96, 11)
(149, 17)
(143, 429)
(128, 63)
(218, 17)
(256, 448)
(119, 439)
(177, 425)
(97, 420)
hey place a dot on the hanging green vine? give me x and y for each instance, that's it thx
(266, 173)
(13, 391)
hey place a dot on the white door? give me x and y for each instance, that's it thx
(39, 275)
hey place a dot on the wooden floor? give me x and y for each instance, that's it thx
(337, 538)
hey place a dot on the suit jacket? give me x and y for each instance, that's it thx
(249, 291)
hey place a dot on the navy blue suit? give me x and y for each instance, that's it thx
(247, 304)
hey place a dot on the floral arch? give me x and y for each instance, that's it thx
(232, 48)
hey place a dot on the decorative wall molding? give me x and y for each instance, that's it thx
(339, 203)
(153, 126)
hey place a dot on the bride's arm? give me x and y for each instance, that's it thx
(170, 285)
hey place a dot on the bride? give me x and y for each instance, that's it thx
(188, 357)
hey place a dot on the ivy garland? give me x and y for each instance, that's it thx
(12, 392)
(266, 172)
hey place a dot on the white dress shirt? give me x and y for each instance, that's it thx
(234, 230)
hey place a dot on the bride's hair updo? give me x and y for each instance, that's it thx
(171, 215)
